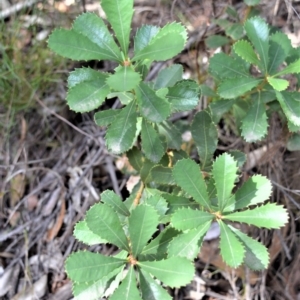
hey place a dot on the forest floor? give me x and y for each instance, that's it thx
(54, 164)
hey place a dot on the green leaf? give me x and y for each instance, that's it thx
(106, 117)
(84, 74)
(143, 36)
(245, 50)
(235, 31)
(73, 45)
(281, 39)
(186, 218)
(269, 215)
(223, 66)
(151, 143)
(254, 124)
(293, 68)
(127, 290)
(150, 289)
(124, 97)
(93, 27)
(170, 132)
(173, 271)
(88, 95)
(216, 41)
(157, 248)
(256, 255)
(224, 172)
(124, 79)
(239, 157)
(183, 96)
(177, 202)
(162, 175)
(188, 244)
(258, 32)
(135, 158)
(119, 14)
(235, 87)
(278, 84)
(122, 132)
(290, 103)
(188, 176)
(240, 109)
(168, 42)
(146, 169)
(115, 202)
(85, 235)
(293, 143)
(232, 250)
(205, 135)
(142, 224)
(104, 221)
(85, 266)
(255, 190)
(92, 290)
(252, 2)
(152, 107)
(168, 76)
(219, 108)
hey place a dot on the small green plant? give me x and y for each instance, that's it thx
(174, 194)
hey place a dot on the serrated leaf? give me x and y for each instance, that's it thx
(245, 50)
(85, 235)
(127, 290)
(240, 109)
(84, 74)
(168, 77)
(124, 97)
(281, 39)
(151, 143)
(255, 190)
(254, 124)
(157, 248)
(224, 172)
(152, 107)
(119, 14)
(142, 224)
(278, 84)
(235, 87)
(223, 66)
(93, 27)
(122, 132)
(173, 271)
(205, 135)
(216, 41)
(256, 254)
(150, 289)
(135, 158)
(162, 175)
(106, 117)
(161, 47)
(173, 27)
(104, 221)
(290, 103)
(86, 266)
(146, 169)
(252, 2)
(292, 68)
(188, 244)
(269, 215)
(239, 157)
(277, 55)
(143, 36)
(292, 127)
(171, 133)
(258, 32)
(92, 290)
(186, 218)
(177, 202)
(188, 176)
(124, 79)
(115, 202)
(219, 108)
(232, 250)
(183, 96)
(73, 45)
(88, 95)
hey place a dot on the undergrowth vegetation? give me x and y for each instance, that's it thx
(175, 193)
